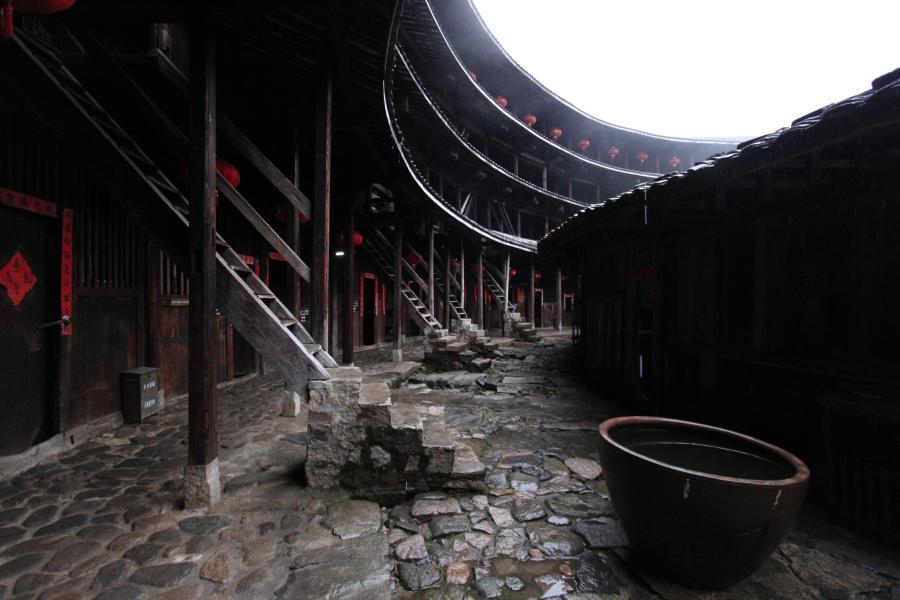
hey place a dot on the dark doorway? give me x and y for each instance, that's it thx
(29, 297)
(538, 308)
(369, 304)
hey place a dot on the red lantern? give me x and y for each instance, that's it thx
(472, 75)
(414, 260)
(43, 7)
(301, 218)
(555, 133)
(583, 145)
(529, 119)
(674, 162)
(613, 152)
(512, 272)
(32, 7)
(357, 239)
(229, 172)
(643, 156)
(501, 101)
(538, 276)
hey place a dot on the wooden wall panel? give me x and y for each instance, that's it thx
(105, 344)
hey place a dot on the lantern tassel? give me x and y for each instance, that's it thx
(6, 25)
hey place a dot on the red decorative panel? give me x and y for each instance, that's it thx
(18, 279)
(29, 203)
(66, 274)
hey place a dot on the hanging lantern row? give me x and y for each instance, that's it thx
(31, 7)
(357, 239)
(555, 134)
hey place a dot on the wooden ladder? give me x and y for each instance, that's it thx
(381, 251)
(161, 210)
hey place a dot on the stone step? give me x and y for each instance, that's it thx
(456, 346)
(406, 416)
(375, 405)
(460, 323)
(439, 448)
(466, 464)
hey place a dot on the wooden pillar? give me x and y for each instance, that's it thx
(321, 217)
(202, 473)
(431, 303)
(292, 233)
(559, 299)
(479, 288)
(154, 317)
(505, 308)
(398, 299)
(447, 310)
(349, 338)
(462, 276)
(530, 307)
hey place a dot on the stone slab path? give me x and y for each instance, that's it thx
(105, 521)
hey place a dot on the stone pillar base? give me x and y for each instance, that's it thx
(398, 355)
(201, 485)
(292, 402)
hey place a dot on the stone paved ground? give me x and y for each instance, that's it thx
(104, 521)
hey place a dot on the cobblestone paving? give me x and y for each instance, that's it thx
(104, 520)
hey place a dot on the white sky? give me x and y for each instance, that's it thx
(700, 68)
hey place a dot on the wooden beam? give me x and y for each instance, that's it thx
(431, 304)
(322, 216)
(479, 286)
(349, 288)
(462, 275)
(203, 445)
(398, 298)
(530, 306)
(447, 279)
(292, 229)
(505, 308)
(559, 299)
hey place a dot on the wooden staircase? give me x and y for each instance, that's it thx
(381, 251)
(159, 207)
(492, 283)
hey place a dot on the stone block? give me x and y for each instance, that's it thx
(202, 487)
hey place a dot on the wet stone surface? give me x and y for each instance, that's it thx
(105, 520)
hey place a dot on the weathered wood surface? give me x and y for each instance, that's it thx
(203, 446)
(319, 303)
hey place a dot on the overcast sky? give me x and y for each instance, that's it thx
(700, 68)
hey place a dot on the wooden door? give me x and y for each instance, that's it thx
(29, 297)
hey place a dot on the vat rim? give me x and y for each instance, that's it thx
(801, 471)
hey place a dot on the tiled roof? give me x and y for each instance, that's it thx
(879, 105)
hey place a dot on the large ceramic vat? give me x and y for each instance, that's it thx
(702, 506)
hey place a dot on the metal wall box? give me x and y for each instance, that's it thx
(140, 394)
